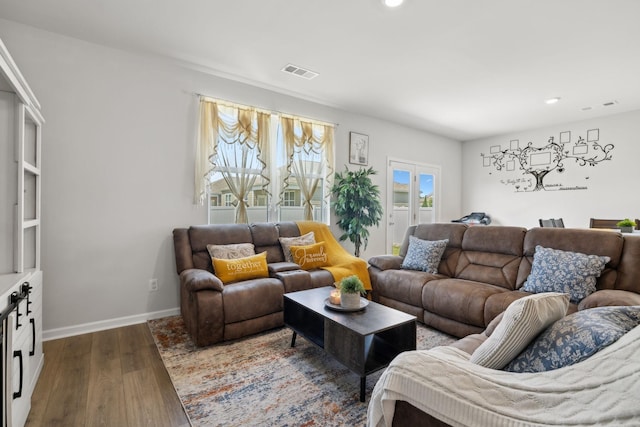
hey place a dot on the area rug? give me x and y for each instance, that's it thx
(262, 381)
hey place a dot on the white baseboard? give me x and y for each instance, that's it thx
(85, 328)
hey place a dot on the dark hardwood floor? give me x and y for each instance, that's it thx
(108, 378)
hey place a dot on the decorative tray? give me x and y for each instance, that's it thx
(363, 303)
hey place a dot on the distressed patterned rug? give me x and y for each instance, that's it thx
(262, 381)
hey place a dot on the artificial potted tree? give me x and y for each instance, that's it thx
(351, 288)
(357, 205)
(626, 225)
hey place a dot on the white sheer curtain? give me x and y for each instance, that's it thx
(309, 159)
(232, 145)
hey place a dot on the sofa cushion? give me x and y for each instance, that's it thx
(460, 300)
(522, 321)
(585, 241)
(424, 255)
(235, 270)
(554, 270)
(454, 232)
(575, 338)
(287, 242)
(491, 255)
(310, 256)
(233, 251)
(401, 285)
(251, 299)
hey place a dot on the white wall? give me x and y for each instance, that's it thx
(118, 160)
(611, 185)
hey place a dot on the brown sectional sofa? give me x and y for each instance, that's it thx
(483, 268)
(215, 312)
(481, 273)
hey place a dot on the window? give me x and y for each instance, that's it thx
(305, 152)
(279, 167)
(289, 198)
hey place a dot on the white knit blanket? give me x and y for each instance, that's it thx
(603, 390)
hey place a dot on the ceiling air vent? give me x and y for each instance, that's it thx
(300, 72)
(609, 104)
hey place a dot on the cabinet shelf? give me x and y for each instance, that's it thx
(28, 167)
(30, 223)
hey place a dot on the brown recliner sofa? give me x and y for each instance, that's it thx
(480, 274)
(483, 268)
(215, 312)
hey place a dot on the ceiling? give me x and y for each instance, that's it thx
(465, 69)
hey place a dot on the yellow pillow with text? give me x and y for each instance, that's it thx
(234, 270)
(310, 256)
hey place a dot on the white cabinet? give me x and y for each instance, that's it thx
(20, 221)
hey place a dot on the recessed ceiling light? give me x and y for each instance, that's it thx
(392, 3)
(552, 100)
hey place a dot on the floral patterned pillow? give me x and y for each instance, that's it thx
(574, 273)
(575, 338)
(424, 255)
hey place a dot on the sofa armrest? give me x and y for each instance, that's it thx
(607, 297)
(386, 262)
(196, 280)
(277, 267)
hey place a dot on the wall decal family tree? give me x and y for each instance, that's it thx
(538, 162)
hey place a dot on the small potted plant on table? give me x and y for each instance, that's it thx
(350, 290)
(626, 225)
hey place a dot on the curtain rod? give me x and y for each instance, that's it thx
(281, 113)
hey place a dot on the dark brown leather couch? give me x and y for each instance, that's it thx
(481, 273)
(215, 312)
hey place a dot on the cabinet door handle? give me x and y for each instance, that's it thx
(32, 352)
(18, 354)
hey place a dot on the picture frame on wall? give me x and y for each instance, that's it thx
(358, 149)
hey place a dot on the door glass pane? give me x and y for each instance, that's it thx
(426, 199)
(401, 214)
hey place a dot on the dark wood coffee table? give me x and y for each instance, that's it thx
(364, 341)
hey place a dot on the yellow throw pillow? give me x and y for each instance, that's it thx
(310, 256)
(234, 270)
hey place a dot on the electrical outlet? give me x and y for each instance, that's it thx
(153, 285)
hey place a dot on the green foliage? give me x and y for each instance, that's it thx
(357, 205)
(626, 223)
(351, 285)
(427, 202)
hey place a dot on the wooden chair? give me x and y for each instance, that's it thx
(555, 223)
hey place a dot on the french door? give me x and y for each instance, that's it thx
(412, 198)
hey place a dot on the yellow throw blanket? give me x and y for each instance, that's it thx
(341, 263)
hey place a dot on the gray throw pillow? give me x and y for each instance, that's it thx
(424, 255)
(554, 270)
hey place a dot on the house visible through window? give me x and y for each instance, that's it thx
(289, 198)
(262, 166)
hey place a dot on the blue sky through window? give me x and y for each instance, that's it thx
(426, 181)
